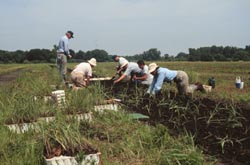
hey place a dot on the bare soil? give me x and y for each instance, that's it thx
(10, 76)
(220, 127)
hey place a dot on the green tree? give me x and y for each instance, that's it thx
(151, 55)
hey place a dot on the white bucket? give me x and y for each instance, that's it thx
(207, 88)
(242, 85)
(237, 82)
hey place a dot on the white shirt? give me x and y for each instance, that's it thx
(132, 67)
(121, 61)
(145, 71)
(84, 68)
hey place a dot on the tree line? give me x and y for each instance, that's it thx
(213, 53)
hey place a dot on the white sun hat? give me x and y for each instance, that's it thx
(92, 61)
(152, 67)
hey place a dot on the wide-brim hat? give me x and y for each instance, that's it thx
(152, 67)
(92, 61)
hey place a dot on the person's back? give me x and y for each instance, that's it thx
(84, 68)
(121, 61)
(164, 74)
(80, 76)
(132, 68)
(168, 75)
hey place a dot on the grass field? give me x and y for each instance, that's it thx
(224, 73)
(169, 137)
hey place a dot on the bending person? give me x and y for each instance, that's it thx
(81, 74)
(145, 77)
(120, 61)
(163, 74)
(131, 68)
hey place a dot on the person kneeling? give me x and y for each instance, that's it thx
(80, 76)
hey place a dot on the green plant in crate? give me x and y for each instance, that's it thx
(36, 86)
(20, 108)
(21, 149)
(62, 137)
(82, 101)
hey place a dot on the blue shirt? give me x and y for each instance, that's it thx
(163, 74)
(63, 46)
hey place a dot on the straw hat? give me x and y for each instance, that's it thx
(92, 61)
(152, 67)
(123, 63)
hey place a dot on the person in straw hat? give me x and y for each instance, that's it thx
(163, 74)
(81, 74)
(130, 68)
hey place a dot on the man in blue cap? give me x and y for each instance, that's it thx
(63, 53)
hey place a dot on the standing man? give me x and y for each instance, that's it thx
(81, 74)
(63, 53)
(145, 77)
(163, 74)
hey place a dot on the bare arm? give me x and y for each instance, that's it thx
(144, 77)
(120, 79)
(88, 77)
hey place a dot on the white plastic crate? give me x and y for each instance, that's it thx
(101, 108)
(23, 127)
(79, 117)
(46, 119)
(61, 160)
(45, 98)
(91, 159)
(59, 97)
(207, 88)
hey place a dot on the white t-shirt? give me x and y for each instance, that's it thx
(145, 71)
(121, 61)
(132, 67)
(84, 68)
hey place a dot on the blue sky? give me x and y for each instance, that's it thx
(125, 27)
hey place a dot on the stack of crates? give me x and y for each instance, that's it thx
(59, 97)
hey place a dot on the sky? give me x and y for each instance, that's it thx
(125, 27)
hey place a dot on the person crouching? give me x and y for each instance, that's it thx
(166, 75)
(80, 76)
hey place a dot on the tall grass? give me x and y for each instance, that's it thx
(120, 139)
